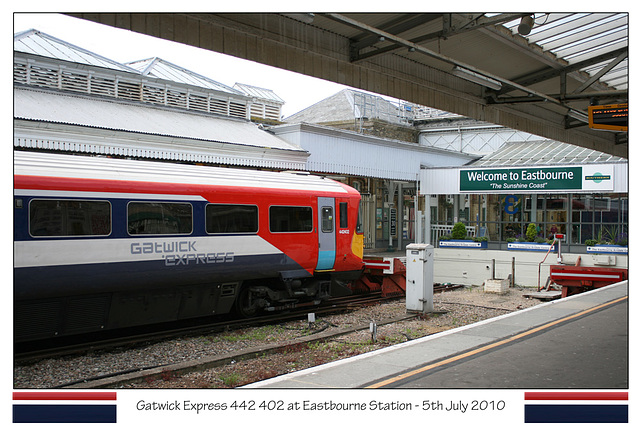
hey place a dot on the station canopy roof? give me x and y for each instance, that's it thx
(543, 153)
(591, 47)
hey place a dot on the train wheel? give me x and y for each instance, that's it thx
(246, 305)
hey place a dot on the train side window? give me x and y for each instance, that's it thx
(344, 215)
(225, 219)
(327, 219)
(159, 218)
(288, 219)
(359, 225)
(62, 218)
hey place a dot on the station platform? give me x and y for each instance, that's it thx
(548, 345)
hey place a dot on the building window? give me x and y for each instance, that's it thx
(289, 219)
(581, 217)
(226, 219)
(62, 218)
(159, 218)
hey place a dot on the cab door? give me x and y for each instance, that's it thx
(326, 233)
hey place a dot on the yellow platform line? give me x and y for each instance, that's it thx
(489, 346)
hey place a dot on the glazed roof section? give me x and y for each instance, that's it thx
(38, 43)
(544, 153)
(578, 37)
(258, 92)
(162, 69)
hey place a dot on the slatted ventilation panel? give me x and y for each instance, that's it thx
(74, 82)
(20, 73)
(51, 76)
(198, 102)
(176, 98)
(42, 76)
(219, 106)
(103, 86)
(131, 91)
(153, 94)
(237, 109)
(265, 111)
(272, 112)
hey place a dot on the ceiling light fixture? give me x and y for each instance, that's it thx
(474, 77)
(526, 23)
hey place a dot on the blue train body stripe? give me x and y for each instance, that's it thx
(326, 259)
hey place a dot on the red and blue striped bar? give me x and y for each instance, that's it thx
(557, 408)
(64, 407)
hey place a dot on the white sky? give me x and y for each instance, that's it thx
(297, 90)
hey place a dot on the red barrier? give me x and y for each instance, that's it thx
(576, 279)
(387, 275)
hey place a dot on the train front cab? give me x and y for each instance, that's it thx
(340, 242)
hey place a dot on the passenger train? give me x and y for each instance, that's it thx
(102, 243)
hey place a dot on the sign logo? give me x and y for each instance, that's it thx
(511, 204)
(597, 177)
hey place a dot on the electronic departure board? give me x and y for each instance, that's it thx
(609, 117)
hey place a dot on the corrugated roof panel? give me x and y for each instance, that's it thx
(48, 164)
(83, 111)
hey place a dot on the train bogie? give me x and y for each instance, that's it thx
(106, 244)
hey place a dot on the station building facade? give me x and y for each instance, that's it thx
(562, 189)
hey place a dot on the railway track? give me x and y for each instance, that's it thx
(150, 373)
(247, 352)
(32, 352)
